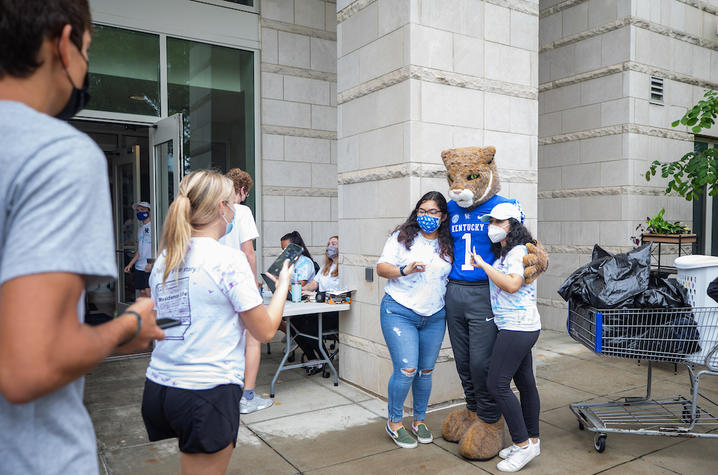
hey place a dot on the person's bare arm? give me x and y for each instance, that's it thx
(390, 271)
(263, 322)
(248, 250)
(311, 286)
(507, 282)
(43, 346)
(128, 267)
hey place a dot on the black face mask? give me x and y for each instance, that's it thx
(79, 98)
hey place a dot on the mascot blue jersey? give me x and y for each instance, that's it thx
(469, 232)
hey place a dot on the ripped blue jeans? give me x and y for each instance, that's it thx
(414, 342)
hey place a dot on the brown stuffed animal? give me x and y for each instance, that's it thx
(474, 183)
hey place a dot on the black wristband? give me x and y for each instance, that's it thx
(401, 270)
(139, 326)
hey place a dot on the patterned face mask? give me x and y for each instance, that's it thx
(428, 224)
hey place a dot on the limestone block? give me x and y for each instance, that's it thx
(582, 176)
(553, 318)
(575, 19)
(269, 45)
(431, 47)
(433, 184)
(462, 16)
(601, 149)
(323, 55)
(606, 88)
(272, 85)
(544, 66)
(359, 29)
(581, 118)
(622, 172)
(601, 12)
(370, 314)
(588, 55)
(305, 149)
(321, 232)
(286, 173)
(577, 233)
(524, 30)
(561, 209)
(657, 115)
(710, 22)
(293, 49)
(272, 147)
(382, 56)
(334, 209)
(615, 112)
(324, 118)
(513, 151)
(550, 28)
(377, 109)
(307, 208)
(497, 112)
(272, 208)
(446, 385)
(600, 208)
(693, 21)
(467, 137)
(524, 115)
(550, 124)
(507, 64)
(382, 147)
(310, 13)
(497, 24)
(359, 367)
(324, 176)
(394, 14)
(313, 91)
(549, 232)
(562, 62)
(279, 10)
(289, 114)
(451, 105)
(342, 4)
(348, 150)
(468, 55)
(714, 66)
(348, 71)
(615, 46)
(356, 238)
(553, 155)
(550, 179)
(683, 57)
(333, 94)
(349, 321)
(702, 63)
(618, 233)
(560, 98)
(426, 142)
(564, 264)
(273, 231)
(674, 16)
(525, 193)
(330, 18)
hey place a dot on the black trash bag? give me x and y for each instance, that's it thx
(609, 281)
(663, 336)
(662, 293)
(713, 289)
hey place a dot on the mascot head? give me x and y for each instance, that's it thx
(472, 174)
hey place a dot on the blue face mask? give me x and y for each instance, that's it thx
(142, 215)
(230, 225)
(428, 224)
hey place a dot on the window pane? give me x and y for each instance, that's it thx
(124, 71)
(213, 87)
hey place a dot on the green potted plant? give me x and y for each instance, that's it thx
(657, 229)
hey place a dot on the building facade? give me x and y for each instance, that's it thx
(340, 111)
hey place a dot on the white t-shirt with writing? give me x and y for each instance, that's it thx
(422, 292)
(515, 311)
(144, 245)
(326, 281)
(243, 228)
(206, 293)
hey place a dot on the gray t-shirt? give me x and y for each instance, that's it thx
(55, 216)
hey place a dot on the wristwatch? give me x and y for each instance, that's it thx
(401, 270)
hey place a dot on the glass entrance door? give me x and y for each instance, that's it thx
(165, 169)
(126, 190)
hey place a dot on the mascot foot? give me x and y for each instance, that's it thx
(457, 423)
(482, 441)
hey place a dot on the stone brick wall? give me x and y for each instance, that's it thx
(598, 132)
(298, 122)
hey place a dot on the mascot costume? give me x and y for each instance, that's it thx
(473, 187)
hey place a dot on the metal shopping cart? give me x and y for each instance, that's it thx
(687, 336)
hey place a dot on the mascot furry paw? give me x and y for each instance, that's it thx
(473, 191)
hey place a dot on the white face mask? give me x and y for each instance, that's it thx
(496, 233)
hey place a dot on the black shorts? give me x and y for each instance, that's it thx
(205, 421)
(141, 279)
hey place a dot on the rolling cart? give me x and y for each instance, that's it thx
(687, 336)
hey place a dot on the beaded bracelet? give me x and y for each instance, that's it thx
(139, 326)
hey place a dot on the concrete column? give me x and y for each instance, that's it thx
(415, 77)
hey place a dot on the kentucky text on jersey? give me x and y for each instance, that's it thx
(468, 227)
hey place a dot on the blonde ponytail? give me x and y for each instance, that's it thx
(196, 206)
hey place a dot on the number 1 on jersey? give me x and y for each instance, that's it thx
(467, 252)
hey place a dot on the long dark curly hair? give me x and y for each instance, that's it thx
(518, 235)
(410, 228)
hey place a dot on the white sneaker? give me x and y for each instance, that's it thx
(256, 404)
(505, 453)
(518, 459)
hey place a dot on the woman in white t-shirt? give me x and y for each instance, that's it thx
(516, 316)
(195, 376)
(328, 276)
(417, 260)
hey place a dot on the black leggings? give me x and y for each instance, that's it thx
(511, 358)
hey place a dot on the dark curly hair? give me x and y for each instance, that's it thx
(410, 228)
(518, 235)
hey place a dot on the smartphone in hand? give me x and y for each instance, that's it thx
(165, 323)
(292, 252)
